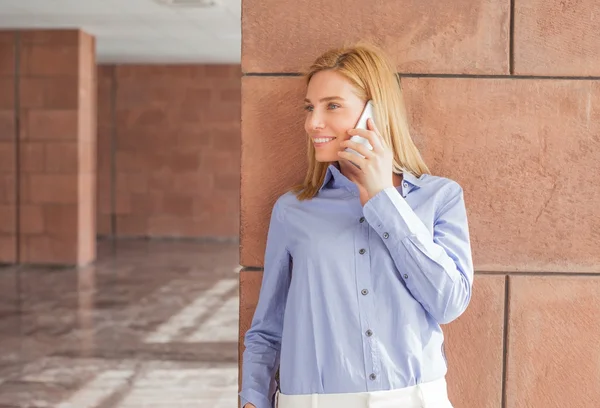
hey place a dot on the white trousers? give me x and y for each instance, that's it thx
(428, 395)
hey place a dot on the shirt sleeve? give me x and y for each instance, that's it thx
(437, 268)
(262, 341)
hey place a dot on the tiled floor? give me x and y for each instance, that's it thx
(150, 324)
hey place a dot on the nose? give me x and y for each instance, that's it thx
(314, 122)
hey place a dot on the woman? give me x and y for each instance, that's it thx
(364, 260)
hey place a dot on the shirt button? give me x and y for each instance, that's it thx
(372, 376)
(364, 292)
(362, 251)
(405, 184)
(362, 219)
(405, 276)
(369, 333)
(386, 235)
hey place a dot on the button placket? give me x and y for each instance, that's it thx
(365, 303)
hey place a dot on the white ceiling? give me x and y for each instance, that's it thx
(139, 31)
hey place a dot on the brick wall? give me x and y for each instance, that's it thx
(168, 150)
(47, 147)
(8, 162)
(509, 109)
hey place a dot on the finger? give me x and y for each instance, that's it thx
(367, 134)
(352, 158)
(370, 135)
(373, 127)
(357, 147)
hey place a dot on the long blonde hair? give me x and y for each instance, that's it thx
(374, 78)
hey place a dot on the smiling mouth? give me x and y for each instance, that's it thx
(320, 141)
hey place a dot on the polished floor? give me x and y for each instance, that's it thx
(150, 324)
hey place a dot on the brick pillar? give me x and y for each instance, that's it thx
(55, 81)
(487, 108)
(8, 162)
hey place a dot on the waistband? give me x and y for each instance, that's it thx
(430, 394)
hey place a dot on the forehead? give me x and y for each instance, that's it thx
(329, 83)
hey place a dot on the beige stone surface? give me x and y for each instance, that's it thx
(57, 147)
(474, 347)
(553, 353)
(424, 36)
(8, 159)
(105, 134)
(169, 158)
(557, 37)
(7, 53)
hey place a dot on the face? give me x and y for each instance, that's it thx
(332, 107)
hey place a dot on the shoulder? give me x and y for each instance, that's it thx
(283, 204)
(286, 200)
(443, 191)
(443, 185)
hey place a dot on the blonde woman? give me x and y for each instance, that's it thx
(364, 261)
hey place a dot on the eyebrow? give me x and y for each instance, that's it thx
(326, 99)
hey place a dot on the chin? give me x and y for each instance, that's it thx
(326, 158)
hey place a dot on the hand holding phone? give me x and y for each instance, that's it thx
(366, 114)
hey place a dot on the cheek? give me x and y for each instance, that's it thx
(341, 132)
(307, 128)
(340, 127)
(334, 147)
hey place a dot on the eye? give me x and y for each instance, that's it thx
(308, 108)
(333, 106)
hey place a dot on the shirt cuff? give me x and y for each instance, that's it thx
(391, 217)
(254, 398)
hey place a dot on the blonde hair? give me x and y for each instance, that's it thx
(375, 79)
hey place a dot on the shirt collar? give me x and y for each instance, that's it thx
(335, 177)
(411, 179)
(327, 178)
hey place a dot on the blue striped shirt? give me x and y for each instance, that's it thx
(352, 297)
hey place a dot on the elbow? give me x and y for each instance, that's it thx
(262, 337)
(451, 314)
(456, 302)
(260, 350)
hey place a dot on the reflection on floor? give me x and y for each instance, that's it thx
(150, 324)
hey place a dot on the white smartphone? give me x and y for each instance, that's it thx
(366, 114)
